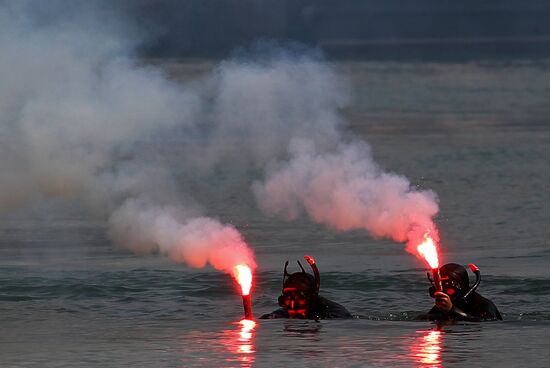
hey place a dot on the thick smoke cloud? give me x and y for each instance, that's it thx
(73, 103)
(68, 99)
(282, 111)
(260, 101)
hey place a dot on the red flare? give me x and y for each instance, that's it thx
(243, 275)
(247, 305)
(428, 250)
(437, 279)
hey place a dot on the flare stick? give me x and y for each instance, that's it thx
(437, 279)
(247, 307)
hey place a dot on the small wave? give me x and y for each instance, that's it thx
(369, 295)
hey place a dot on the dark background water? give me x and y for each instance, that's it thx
(476, 133)
(349, 29)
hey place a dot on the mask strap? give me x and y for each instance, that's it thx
(302, 267)
(285, 273)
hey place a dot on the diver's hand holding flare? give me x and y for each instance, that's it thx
(443, 301)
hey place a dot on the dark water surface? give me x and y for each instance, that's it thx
(475, 133)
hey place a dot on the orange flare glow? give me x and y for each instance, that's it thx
(428, 250)
(243, 275)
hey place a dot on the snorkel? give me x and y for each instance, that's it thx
(313, 266)
(477, 272)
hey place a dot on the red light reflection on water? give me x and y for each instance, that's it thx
(427, 348)
(246, 336)
(240, 343)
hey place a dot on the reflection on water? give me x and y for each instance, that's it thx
(426, 348)
(241, 343)
(246, 339)
(231, 346)
(304, 328)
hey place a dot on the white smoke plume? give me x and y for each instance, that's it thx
(282, 112)
(73, 104)
(149, 228)
(68, 100)
(345, 189)
(259, 102)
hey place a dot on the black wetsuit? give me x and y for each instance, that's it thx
(322, 308)
(475, 308)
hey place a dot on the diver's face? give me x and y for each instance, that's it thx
(450, 287)
(295, 301)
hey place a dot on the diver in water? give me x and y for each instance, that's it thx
(458, 301)
(301, 299)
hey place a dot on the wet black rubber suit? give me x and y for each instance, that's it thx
(322, 308)
(473, 308)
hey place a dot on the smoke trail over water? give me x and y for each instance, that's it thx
(263, 100)
(345, 189)
(148, 228)
(73, 104)
(68, 102)
(282, 112)
(324, 172)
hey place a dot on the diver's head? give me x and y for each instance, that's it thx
(300, 290)
(454, 280)
(298, 294)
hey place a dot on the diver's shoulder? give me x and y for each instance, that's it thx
(480, 301)
(484, 307)
(332, 309)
